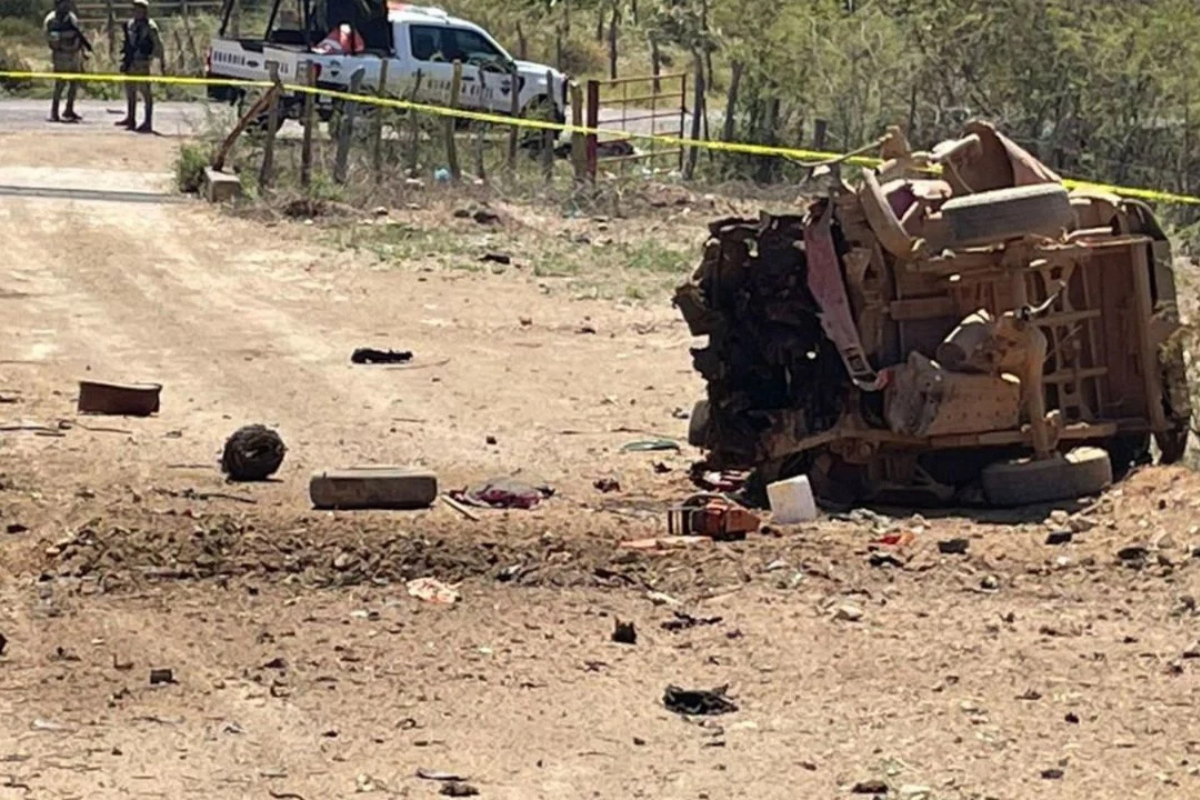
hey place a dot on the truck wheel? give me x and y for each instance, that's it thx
(1083, 471)
(996, 216)
(698, 424)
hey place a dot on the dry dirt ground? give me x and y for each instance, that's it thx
(301, 666)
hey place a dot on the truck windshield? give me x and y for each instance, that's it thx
(443, 43)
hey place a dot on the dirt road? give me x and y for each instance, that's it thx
(301, 666)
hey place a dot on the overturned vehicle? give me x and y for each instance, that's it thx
(956, 328)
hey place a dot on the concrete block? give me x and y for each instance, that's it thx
(373, 487)
(220, 187)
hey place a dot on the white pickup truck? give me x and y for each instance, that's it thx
(411, 39)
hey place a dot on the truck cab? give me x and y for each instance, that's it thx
(419, 44)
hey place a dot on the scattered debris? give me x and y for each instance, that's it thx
(369, 355)
(50, 726)
(1059, 537)
(504, 492)
(873, 786)
(651, 445)
(357, 488)
(252, 453)
(683, 621)
(711, 515)
(792, 501)
(437, 775)
(129, 400)
(607, 485)
(161, 676)
(664, 542)
(885, 559)
(698, 702)
(460, 508)
(433, 591)
(624, 633)
(954, 547)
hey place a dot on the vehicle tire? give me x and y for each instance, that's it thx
(698, 424)
(1128, 451)
(996, 216)
(1083, 471)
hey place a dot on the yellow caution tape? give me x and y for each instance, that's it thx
(796, 154)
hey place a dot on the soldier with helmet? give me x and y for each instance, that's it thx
(142, 46)
(67, 45)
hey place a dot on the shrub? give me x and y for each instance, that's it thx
(189, 166)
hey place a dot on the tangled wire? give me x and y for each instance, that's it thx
(252, 453)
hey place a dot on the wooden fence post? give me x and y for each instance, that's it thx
(310, 122)
(346, 128)
(414, 121)
(698, 112)
(267, 173)
(377, 131)
(548, 136)
(112, 30)
(451, 142)
(578, 140)
(481, 129)
(514, 110)
(593, 123)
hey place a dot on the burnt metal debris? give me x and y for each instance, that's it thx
(252, 453)
(978, 334)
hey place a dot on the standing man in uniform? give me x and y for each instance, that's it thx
(142, 46)
(67, 45)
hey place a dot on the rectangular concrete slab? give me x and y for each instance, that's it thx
(373, 487)
(220, 187)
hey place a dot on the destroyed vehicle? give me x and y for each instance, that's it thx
(956, 328)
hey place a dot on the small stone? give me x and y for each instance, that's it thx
(1059, 518)
(989, 583)
(914, 791)
(1135, 552)
(1072, 718)
(1081, 524)
(639, 741)
(342, 561)
(1052, 774)
(848, 613)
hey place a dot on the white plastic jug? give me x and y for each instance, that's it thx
(792, 501)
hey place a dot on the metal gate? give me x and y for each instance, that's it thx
(649, 104)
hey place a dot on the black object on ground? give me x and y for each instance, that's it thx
(160, 676)
(683, 621)
(3, 643)
(953, 547)
(252, 453)
(458, 789)
(1059, 537)
(624, 633)
(873, 786)
(697, 702)
(369, 355)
